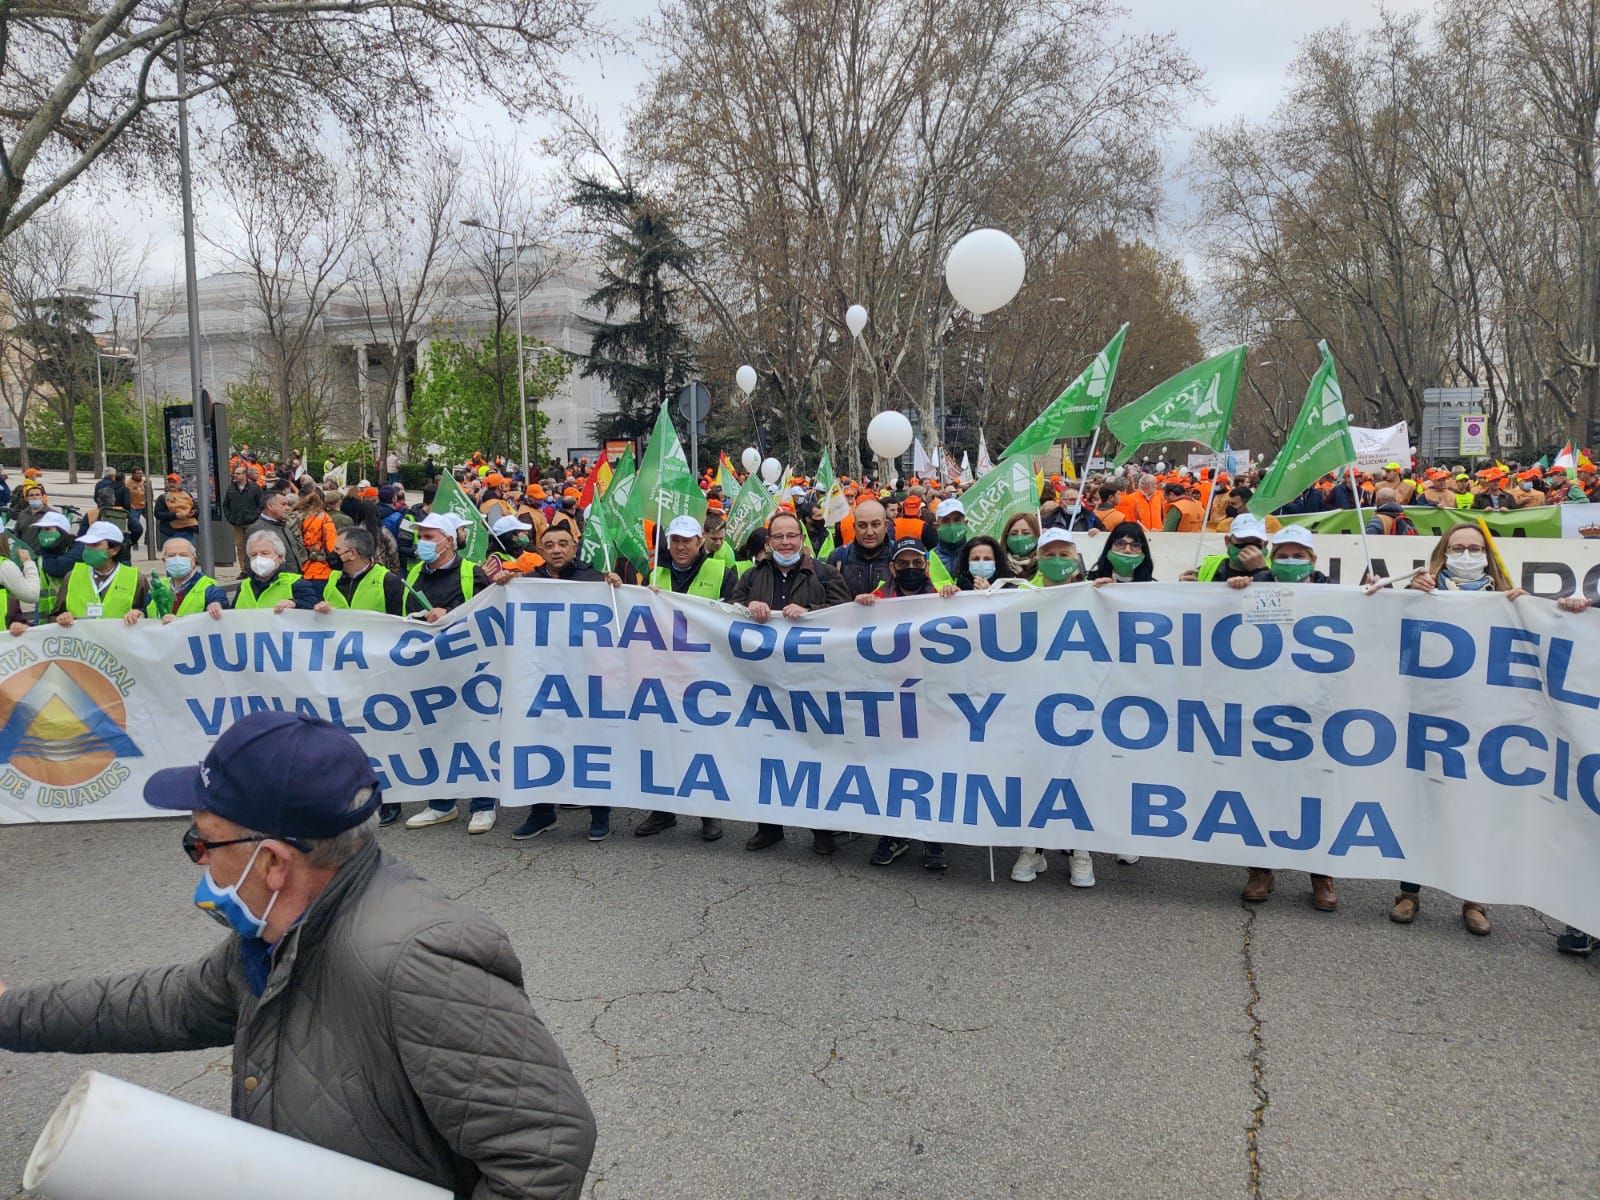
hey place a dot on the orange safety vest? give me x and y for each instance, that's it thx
(318, 533)
(1147, 511)
(907, 527)
(1192, 516)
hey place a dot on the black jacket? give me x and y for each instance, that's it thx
(810, 584)
(862, 570)
(242, 505)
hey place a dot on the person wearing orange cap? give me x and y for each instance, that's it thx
(908, 523)
(1494, 497)
(1184, 514)
(1523, 490)
(1436, 488)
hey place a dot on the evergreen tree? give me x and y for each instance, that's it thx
(640, 349)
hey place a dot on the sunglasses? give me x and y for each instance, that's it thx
(197, 847)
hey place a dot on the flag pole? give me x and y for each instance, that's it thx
(1361, 521)
(1077, 505)
(1205, 518)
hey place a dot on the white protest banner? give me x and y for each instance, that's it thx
(1377, 448)
(1452, 740)
(1549, 567)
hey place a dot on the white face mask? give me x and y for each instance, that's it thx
(1467, 564)
(262, 565)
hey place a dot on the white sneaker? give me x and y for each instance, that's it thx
(1081, 869)
(481, 822)
(1127, 860)
(431, 816)
(1029, 864)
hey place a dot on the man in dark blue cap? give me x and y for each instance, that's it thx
(361, 1002)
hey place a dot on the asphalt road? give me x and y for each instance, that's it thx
(781, 1025)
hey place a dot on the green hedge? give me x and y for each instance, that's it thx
(56, 460)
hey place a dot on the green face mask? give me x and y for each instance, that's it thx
(1058, 567)
(97, 558)
(1292, 570)
(1234, 553)
(1124, 564)
(1022, 544)
(954, 533)
(49, 538)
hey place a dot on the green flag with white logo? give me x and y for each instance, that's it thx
(451, 499)
(1318, 444)
(752, 508)
(666, 486)
(614, 531)
(1074, 413)
(1195, 405)
(830, 493)
(991, 503)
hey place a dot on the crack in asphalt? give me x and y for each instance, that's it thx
(1257, 1056)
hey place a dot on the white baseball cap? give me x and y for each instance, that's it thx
(1248, 525)
(1294, 535)
(53, 520)
(443, 522)
(951, 507)
(506, 524)
(684, 527)
(102, 531)
(1055, 536)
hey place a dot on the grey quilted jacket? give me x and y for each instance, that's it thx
(393, 1028)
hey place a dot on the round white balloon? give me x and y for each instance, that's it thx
(771, 469)
(984, 270)
(855, 320)
(751, 459)
(889, 434)
(745, 376)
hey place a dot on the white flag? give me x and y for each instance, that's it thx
(966, 468)
(984, 465)
(921, 464)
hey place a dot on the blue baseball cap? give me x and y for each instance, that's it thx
(283, 774)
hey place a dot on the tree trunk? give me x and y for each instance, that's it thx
(72, 445)
(285, 417)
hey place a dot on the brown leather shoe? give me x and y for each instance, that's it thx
(1475, 918)
(1323, 897)
(1258, 886)
(1405, 908)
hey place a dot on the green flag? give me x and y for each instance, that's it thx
(830, 494)
(621, 526)
(666, 487)
(1074, 413)
(1318, 444)
(1009, 489)
(751, 510)
(726, 479)
(451, 499)
(1195, 405)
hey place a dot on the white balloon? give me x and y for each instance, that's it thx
(855, 320)
(745, 376)
(984, 270)
(889, 434)
(751, 459)
(771, 469)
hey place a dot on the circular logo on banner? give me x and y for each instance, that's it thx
(63, 723)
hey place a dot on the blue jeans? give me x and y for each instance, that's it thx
(477, 804)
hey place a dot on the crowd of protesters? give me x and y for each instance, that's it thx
(323, 545)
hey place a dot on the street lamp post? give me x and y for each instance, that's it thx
(138, 389)
(517, 245)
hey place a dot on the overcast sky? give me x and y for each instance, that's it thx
(1244, 46)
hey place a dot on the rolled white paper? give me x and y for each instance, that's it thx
(109, 1138)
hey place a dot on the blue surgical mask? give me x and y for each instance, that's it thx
(225, 906)
(981, 569)
(786, 560)
(427, 551)
(179, 566)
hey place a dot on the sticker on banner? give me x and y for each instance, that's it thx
(1270, 606)
(64, 724)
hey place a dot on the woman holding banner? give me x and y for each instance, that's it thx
(1126, 558)
(1460, 562)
